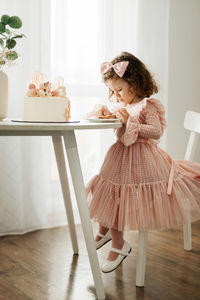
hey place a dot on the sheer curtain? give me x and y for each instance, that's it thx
(69, 38)
(85, 33)
(25, 179)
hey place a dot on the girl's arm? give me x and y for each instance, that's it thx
(151, 129)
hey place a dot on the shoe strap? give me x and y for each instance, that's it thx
(100, 235)
(124, 253)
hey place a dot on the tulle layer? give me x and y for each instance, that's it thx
(144, 206)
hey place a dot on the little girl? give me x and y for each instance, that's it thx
(139, 186)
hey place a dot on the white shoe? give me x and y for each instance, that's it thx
(111, 265)
(104, 239)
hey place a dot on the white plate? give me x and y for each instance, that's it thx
(103, 120)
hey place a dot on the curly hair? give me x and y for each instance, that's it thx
(136, 74)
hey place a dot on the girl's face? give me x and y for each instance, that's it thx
(122, 90)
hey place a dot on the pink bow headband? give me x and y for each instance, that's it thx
(119, 68)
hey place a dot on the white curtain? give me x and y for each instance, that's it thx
(71, 38)
(26, 197)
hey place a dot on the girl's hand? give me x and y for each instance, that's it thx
(123, 115)
(102, 111)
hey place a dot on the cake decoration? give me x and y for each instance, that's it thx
(41, 88)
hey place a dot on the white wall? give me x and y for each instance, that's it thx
(183, 72)
(168, 42)
(152, 44)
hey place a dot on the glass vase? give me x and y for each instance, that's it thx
(3, 95)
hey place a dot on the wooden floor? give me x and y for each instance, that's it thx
(40, 266)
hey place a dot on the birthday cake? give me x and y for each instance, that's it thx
(45, 101)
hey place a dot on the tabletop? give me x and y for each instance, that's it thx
(9, 127)
(60, 126)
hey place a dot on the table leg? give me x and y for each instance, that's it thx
(79, 188)
(59, 153)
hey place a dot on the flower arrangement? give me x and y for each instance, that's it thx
(8, 39)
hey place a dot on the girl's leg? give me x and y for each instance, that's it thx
(103, 230)
(117, 242)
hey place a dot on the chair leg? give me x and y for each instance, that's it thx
(187, 236)
(141, 258)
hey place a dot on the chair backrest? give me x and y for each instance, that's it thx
(192, 123)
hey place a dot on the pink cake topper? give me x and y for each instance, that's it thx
(39, 87)
(37, 78)
(58, 81)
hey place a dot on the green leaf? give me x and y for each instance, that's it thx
(1, 43)
(10, 44)
(15, 22)
(2, 27)
(5, 19)
(11, 55)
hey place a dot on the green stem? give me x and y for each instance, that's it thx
(4, 35)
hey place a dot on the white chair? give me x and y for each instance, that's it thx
(192, 123)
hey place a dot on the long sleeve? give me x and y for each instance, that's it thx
(129, 132)
(152, 127)
(149, 128)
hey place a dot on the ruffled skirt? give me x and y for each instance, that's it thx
(140, 187)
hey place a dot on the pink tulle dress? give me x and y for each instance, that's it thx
(139, 185)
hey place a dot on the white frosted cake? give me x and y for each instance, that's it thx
(46, 102)
(46, 109)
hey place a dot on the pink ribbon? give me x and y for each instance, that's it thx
(171, 179)
(172, 171)
(119, 67)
